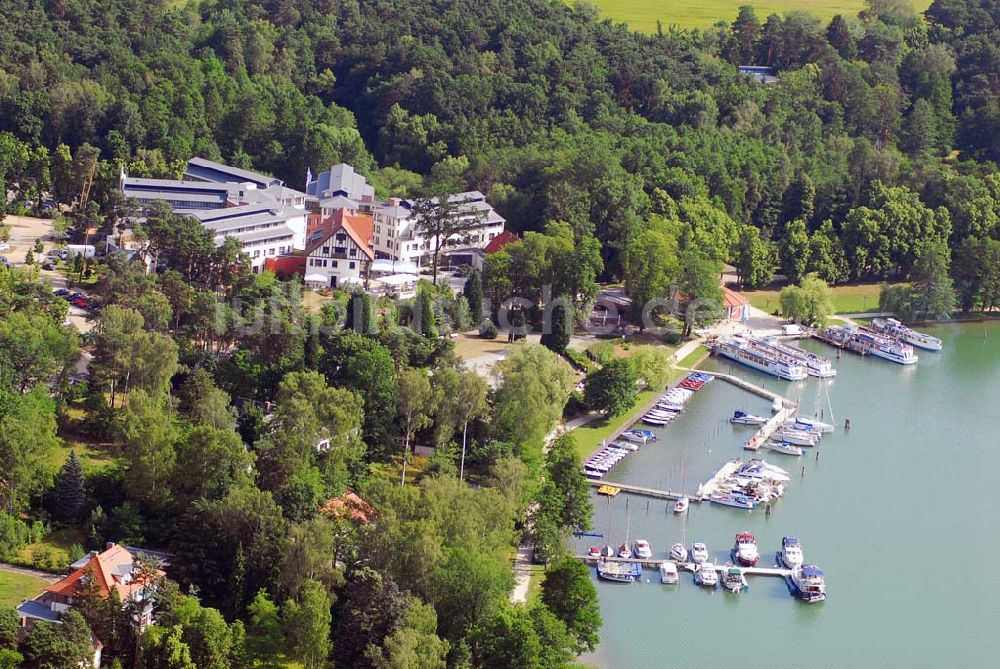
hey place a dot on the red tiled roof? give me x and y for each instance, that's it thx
(286, 266)
(359, 228)
(732, 299)
(103, 568)
(503, 239)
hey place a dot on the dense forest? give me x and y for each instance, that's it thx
(268, 459)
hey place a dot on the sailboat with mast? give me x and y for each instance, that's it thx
(682, 503)
(625, 551)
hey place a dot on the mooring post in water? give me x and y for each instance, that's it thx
(647, 506)
(847, 424)
(817, 456)
(803, 471)
(767, 509)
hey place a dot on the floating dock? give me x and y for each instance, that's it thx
(770, 427)
(654, 563)
(711, 486)
(640, 490)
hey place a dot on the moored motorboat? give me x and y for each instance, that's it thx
(784, 447)
(624, 551)
(733, 499)
(642, 549)
(808, 583)
(797, 437)
(699, 553)
(678, 553)
(733, 580)
(608, 551)
(744, 418)
(791, 552)
(706, 575)
(619, 572)
(745, 550)
(668, 572)
(682, 504)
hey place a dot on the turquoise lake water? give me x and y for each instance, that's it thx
(902, 513)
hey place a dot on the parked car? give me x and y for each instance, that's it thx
(73, 296)
(80, 302)
(61, 292)
(4, 246)
(47, 266)
(4, 261)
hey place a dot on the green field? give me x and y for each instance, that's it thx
(643, 14)
(15, 588)
(855, 299)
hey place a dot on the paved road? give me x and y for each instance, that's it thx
(24, 571)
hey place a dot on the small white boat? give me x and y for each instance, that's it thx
(791, 552)
(699, 553)
(682, 504)
(744, 418)
(797, 437)
(678, 553)
(706, 575)
(624, 552)
(785, 447)
(777, 405)
(642, 549)
(668, 572)
(655, 421)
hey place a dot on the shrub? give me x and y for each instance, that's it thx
(488, 330)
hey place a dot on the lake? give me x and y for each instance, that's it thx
(901, 513)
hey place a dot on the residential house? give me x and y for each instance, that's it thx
(396, 234)
(113, 569)
(734, 303)
(340, 252)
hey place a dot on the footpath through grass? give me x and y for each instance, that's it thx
(854, 299)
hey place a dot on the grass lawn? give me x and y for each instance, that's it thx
(52, 552)
(694, 357)
(643, 14)
(854, 299)
(535, 584)
(14, 588)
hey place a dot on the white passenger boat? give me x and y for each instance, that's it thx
(699, 553)
(706, 575)
(733, 499)
(668, 572)
(791, 552)
(744, 418)
(761, 358)
(815, 365)
(784, 447)
(870, 342)
(894, 328)
(808, 583)
(678, 552)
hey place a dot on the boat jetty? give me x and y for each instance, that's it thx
(805, 581)
(762, 356)
(868, 341)
(744, 485)
(893, 328)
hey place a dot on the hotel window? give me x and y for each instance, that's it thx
(351, 265)
(353, 252)
(333, 263)
(326, 250)
(256, 253)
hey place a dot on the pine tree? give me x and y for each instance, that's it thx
(359, 312)
(556, 339)
(473, 292)
(71, 494)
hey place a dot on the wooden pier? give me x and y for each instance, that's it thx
(641, 490)
(654, 563)
(755, 442)
(749, 387)
(711, 486)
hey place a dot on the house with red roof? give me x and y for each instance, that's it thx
(339, 252)
(734, 303)
(113, 570)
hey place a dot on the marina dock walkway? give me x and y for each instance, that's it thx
(767, 429)
(691, 566)
(711, 486)
(638, 489)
